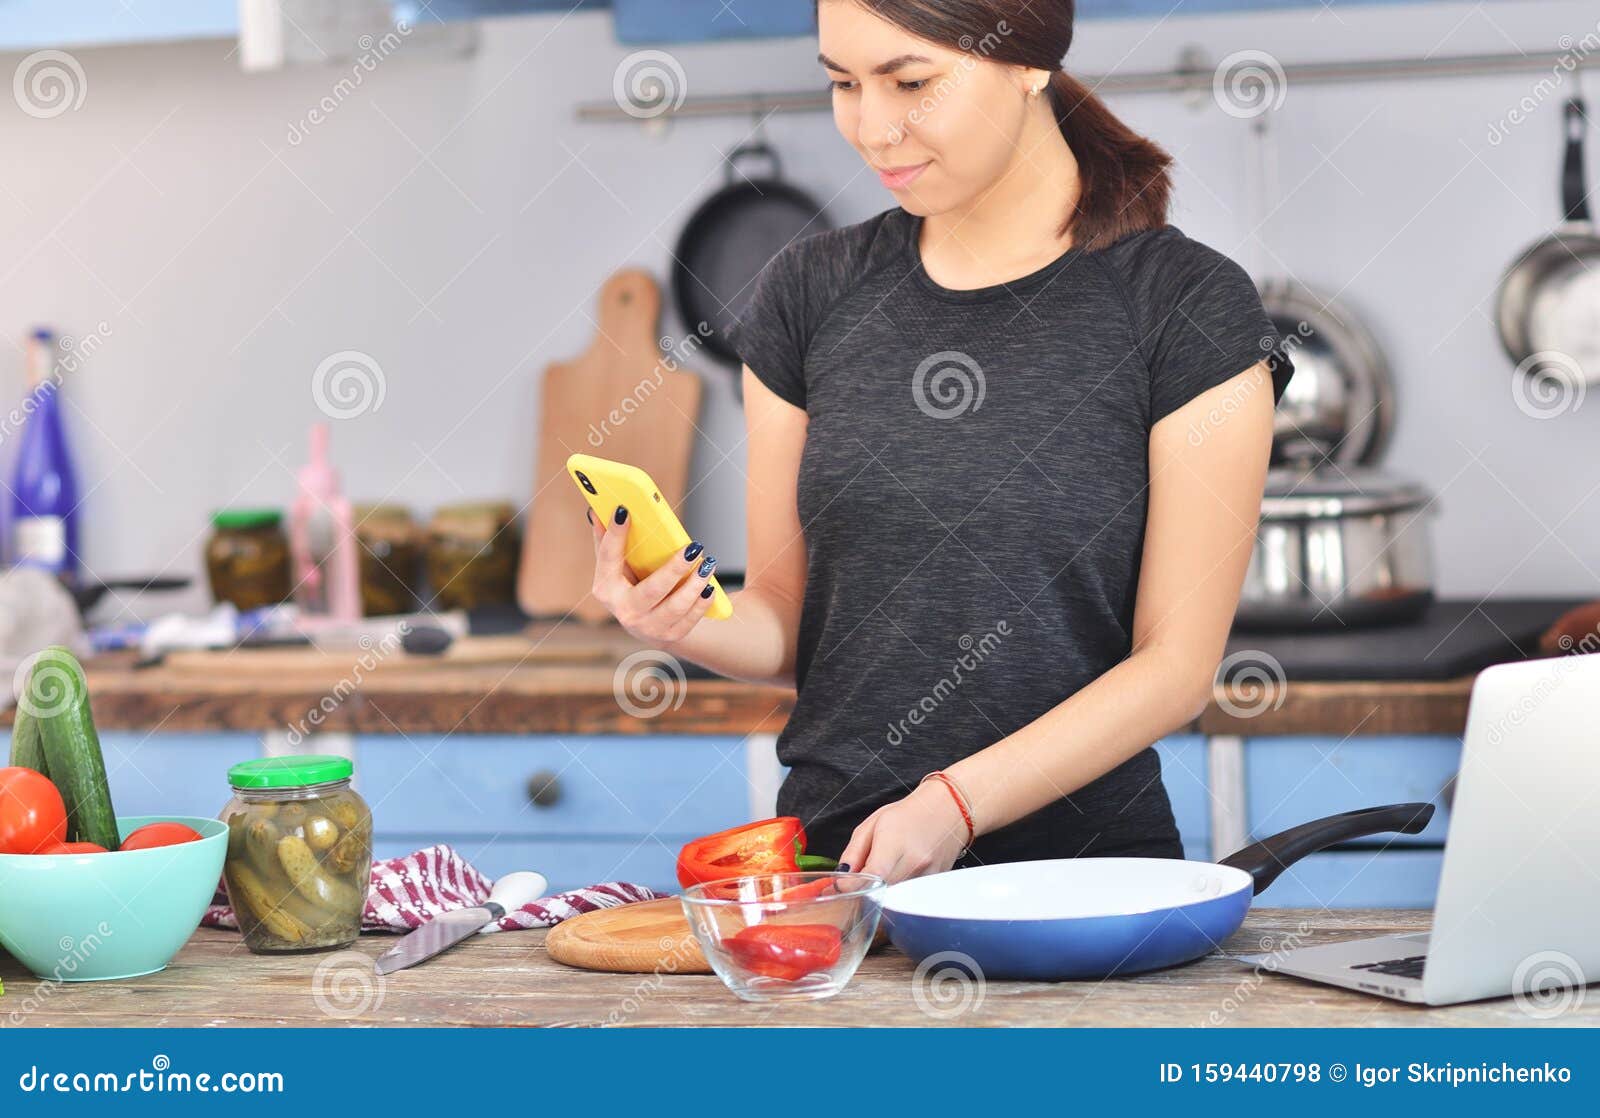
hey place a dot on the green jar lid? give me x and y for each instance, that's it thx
(237, 519)
(290, 772)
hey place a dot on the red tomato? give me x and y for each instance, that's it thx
(152, 835)
(73, 848)
(32, 814)
(786, 951)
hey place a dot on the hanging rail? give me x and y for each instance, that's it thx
(1194, 74)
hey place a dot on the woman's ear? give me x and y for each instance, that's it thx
(1033, 83)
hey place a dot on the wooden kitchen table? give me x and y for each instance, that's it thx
(507, 979)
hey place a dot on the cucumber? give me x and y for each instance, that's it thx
(27, 748)
(59, 698)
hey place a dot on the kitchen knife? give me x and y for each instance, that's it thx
(511, 892)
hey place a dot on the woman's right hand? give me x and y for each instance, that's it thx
(661, 608)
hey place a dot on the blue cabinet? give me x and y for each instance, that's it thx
(606, 809)
(1292, 780)
(173, 774)
(1184, 772)
(26, 24)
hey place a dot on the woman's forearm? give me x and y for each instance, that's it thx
(756, 644)
(1149, 695)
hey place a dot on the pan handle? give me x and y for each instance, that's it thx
(1268, 858)
(1574, 195)
(754, 149)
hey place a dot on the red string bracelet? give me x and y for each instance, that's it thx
(960, 798)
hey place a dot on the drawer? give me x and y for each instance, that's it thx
(1292, 780)
(568, 863)
(1393, 878)
(1183, 771)
(173, 774)
(471, 784)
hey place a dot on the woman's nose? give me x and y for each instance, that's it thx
(880, 125)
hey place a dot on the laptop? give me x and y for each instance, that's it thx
(1519, 895)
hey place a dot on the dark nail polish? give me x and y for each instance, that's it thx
(590, 514)
(844, 867)
(708, 591)
(707, 565)
(693, 550)
(622, 515)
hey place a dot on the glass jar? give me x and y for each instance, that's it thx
(299, 853)
(472, 556)
(391, 555)
(247, 558)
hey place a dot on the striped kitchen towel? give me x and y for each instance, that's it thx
(410, 891)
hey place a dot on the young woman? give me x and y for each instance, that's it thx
(1007, 444)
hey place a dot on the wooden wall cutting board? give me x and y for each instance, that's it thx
(616, 401)
(641, 938)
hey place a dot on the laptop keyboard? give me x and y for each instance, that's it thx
(1410, 967)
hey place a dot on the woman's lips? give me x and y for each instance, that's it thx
(898, 178)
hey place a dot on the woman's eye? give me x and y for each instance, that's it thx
(914, 87)
(841, 85)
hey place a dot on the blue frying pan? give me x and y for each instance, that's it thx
(1099, 917)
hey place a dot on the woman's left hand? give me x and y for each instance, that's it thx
(921, 834)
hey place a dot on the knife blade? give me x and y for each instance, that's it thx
(441, 933)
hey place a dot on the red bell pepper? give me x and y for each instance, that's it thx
(786, 951)
(769, 846)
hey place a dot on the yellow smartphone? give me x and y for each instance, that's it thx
(654, 533)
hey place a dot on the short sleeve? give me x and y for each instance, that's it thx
(1202, 324)
(772, 333)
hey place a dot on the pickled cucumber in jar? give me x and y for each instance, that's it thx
(299, 857)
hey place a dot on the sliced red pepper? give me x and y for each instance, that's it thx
(786, 951)
(765, 847)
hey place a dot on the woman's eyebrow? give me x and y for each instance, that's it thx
(888, 67)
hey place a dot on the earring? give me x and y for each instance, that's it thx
(1036, 90)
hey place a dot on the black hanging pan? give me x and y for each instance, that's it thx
(730, 239)
(1547, 303)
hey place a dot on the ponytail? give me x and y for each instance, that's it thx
(1124, 179)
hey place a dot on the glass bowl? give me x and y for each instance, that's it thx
(785, 936)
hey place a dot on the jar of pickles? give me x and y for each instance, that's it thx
(472, 555)
(299, 853)
(247, 558)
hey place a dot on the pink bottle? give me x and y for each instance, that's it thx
(322, 538)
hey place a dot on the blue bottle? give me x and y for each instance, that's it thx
(44, 489)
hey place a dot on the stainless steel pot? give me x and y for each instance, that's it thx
(1338, 549)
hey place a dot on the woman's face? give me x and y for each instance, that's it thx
(939, 126)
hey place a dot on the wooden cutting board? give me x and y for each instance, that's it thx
(618, 401)
(463, 652)
(643, 938)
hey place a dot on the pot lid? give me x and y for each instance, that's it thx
(1294, 492)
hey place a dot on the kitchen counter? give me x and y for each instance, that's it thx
(579, 697)
(507, 979)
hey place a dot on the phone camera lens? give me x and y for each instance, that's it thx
(583, 480)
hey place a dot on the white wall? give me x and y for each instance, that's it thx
(448, 221)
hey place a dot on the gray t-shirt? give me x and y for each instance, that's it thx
(972, 494)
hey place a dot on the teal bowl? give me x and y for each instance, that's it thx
(93, 917)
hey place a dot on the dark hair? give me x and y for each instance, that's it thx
(1125, 182)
